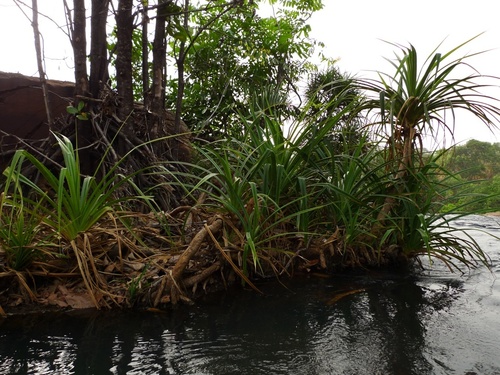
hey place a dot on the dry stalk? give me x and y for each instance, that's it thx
(160, 291)
(24, 284)
(84, 271)
(230, 261)
(174, 275)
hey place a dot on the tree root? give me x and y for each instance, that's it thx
(174, 281)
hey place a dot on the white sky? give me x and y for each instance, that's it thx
(354, 29)
(351, 29)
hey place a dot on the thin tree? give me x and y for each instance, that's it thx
(39, 60)
(124, 31)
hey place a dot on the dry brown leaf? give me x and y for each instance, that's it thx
(339, 296)
(56, 300)
(110, 268)
(62, 289)
(79, 301)
(136, 266)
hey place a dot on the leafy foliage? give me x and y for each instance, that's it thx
(323, 91)
(414, 101)
(79, 202)
(20, 224)
(410, 104)
(263, 179)
(241, 52)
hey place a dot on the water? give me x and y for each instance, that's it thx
(432, 323)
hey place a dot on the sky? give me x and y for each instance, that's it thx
(353, 31)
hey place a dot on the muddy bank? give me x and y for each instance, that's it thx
(23, 114)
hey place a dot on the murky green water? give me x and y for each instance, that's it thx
(434, 323)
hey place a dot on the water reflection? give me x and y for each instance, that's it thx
(434, 323)
(378, 331)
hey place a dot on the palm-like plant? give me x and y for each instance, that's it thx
(270, 178)
(20, 224)
(414, 103)
(328, 93)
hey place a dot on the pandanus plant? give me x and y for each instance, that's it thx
(415, 102)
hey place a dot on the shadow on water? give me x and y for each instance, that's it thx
(433, 323)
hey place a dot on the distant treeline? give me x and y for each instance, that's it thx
(478, 165)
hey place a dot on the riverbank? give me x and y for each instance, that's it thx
(150, 268)
(145, 268)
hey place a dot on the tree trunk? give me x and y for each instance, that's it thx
(404, 154)
(145, 51)
(124, 26)
(181, 82)
(98, 47)
(84, 134)
(157, 101)
(79, 42)
(39, 59)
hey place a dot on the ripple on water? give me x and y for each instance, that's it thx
(52, 355)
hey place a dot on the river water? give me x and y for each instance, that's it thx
(433, 322)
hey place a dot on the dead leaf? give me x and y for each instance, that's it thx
(339, 296)
(71, 298)
(136, 266)
(110, 268)
(79, 301)
(62, 289)
(53, 299)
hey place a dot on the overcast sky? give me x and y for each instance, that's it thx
(352, 31)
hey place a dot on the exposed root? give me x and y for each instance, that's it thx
(194, 246)
(147, 263)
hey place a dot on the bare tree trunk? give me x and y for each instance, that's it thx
(157, 100)
(181, 83)
(403, 158)
(124, 26)
(79, 42)
(98, 48)
(145, 51)
(39, 60)
(84, 134)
